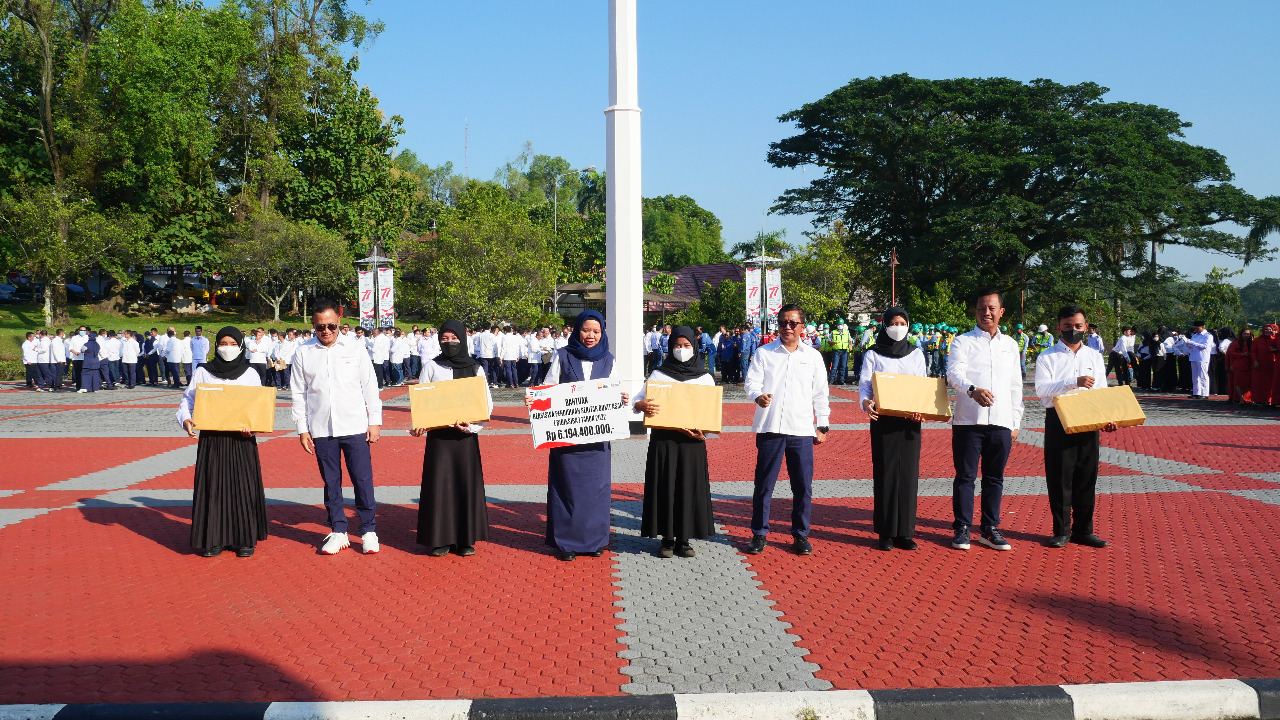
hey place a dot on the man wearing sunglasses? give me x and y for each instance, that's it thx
(788, 382)
(338, 414)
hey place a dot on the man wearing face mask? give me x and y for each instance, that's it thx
(1070, 461)
(985, 368)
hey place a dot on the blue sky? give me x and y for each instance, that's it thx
(714, 76)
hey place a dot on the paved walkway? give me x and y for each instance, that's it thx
(108, 604)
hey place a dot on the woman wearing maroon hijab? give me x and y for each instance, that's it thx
(1263, 354)
(1240, 367)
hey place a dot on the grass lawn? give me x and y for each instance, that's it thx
(17, 320)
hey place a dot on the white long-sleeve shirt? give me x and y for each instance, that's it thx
(186, 407)
(58, 348)
(380, 348)
(1058, 368)
(988, 363)
(874, 362)
(399, 349)
(1200, 346)
(30, 352)
(1095, 341)
(44, 350)
(111, 347)
(435, 372)
(129, 351)
(509, 347)
(257, 349)
(75, 346)
(335, 393)
(487, 345)
(797, 380)
(429, 347)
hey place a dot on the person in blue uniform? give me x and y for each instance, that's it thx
(579, 478)
(91, 371)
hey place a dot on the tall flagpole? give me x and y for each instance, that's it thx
(624, 289)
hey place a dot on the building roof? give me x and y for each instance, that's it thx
(690, 279)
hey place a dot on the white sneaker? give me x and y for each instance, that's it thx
(369, 541)
(82, 390)
(334, 543)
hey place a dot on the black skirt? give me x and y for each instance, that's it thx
(229, 507)
(895, 467)
(452, 509)
(677, 488)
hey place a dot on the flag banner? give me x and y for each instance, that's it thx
(368, 314)
(578, 413)
(386, 297)
(773, 283)
(753, 295)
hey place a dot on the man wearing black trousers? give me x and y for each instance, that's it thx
(1070, 461)
(985, 368)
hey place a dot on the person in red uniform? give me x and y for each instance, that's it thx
(1264, 362)
(1240, 367)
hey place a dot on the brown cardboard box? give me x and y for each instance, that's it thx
(900, 395)
(1088, 410)
(234, 407)
(685, 406)
(447, 402)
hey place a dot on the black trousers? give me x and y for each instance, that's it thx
(1071, 468)
(1120, 364)
(76, 371)
(969, 444)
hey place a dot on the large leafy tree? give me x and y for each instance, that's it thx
(1260, 300)
(678, 232)
(822, 276)
(977, 180)
(273, 256)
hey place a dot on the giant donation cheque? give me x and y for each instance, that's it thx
(231, 408)
(578, 413)
(1089, 410)
(449, 402)
(902, 395)
(685, 406)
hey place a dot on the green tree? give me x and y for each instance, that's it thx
(678, 232)
(272, 257)
(822, 276)
(772, 244)
(1260, 300)
(939, 304)
(976, 179)
(1217, 301)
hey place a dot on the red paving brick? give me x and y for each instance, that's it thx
(144, 620)
(1236, 448)
(27, 460)
(1144, 609)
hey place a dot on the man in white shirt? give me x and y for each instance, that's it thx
(399, 356)
(58, 348)
(29, 361)
(338, 414)
(787, 380)
(111, 347)
(1119, 357)
(1200, 347)
(284, 355)
(129, 350)
(487, 346)
(985, 368)
(380, 353)
(1095, 340)
(199, 349)
(1070, 461)
(44, 362)
(509, 352)
(184, 345)
(562, 340)
(546, 347)
(75, 350)
(344, 334)
(257, 347)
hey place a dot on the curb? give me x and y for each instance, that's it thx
(1174, 700)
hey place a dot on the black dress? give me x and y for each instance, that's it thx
(452, 509)
(229, 507)
(895, 466)
(677, 488)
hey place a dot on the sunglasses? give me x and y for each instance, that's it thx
(322, 327)
(790, 323)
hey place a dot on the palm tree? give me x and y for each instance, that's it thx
(769, 243)
(591, 193)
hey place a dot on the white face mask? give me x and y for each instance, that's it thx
(683, 354)
(228, 352)
(896, 332)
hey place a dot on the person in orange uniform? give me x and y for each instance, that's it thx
(1263, 354)
(1240, 367)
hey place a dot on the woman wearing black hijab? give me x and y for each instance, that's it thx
(677, 486)
(452, 513)
(579, 477)
(1147, 351)
(895, 441)
(229, 507)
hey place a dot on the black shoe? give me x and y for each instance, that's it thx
(1057, 541)
(465, 551)
(961, 539)
(244, 552)
(439, 551)
(801, 545)
(566, 556)
(211, 552)
(1090, 540)
(597, 553)
(756, 546)
(905, 543)
(684, 549)
(994, 539)
(884, 543)
(667, 549)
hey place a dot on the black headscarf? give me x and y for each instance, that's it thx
(227, 369)
(886, 345)
(454, 355)
(683, 371)
(582, 352)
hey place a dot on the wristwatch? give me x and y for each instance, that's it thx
(824, 428)
(969, 392)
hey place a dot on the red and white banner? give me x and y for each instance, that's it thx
(386, 297)
(368, 314)
(578, 413)
(773, 291)
(753, 294)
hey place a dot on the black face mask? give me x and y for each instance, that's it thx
(1072, 337)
